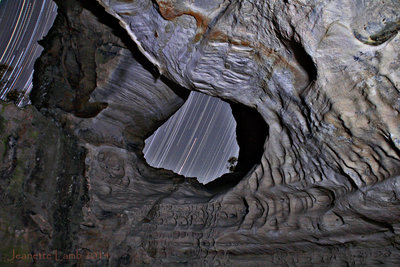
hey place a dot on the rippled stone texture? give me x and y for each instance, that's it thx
(323, 75)
(318, 73)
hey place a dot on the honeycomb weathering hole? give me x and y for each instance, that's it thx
(202, 140)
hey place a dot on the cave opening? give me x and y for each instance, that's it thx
(197, 141)
(210, 139)
(219, 157)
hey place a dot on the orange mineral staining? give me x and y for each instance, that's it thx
(169, 11)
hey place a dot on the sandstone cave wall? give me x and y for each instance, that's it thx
(323, 75)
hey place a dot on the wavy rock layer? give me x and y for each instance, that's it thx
(322, 75)
(319, 76)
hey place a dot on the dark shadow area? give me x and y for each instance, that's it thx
(72, 68)
(303, 58)
(107, 19)
(298, 52)
(251, 131)
(251, 134)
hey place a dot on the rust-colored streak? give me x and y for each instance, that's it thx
(124, 14)
(216, 35)
(202, 21)
(259, 48)
(169, 12)
(260, 51)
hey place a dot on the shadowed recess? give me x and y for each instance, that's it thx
(251, 132)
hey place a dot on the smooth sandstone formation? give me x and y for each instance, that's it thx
(323, 77)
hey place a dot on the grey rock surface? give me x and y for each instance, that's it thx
(318, 73)
(322, 75)
(42, 186)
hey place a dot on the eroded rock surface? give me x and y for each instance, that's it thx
(42, 186)
(323, 75)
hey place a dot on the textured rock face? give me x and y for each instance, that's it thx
(320, 78)
(42, 187)
(323, 75)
